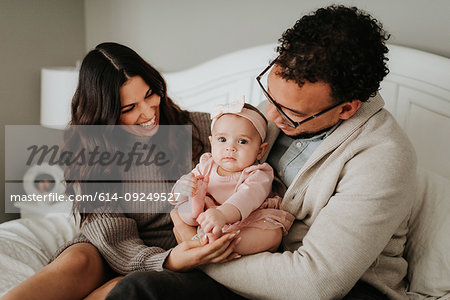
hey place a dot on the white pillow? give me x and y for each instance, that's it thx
(428, 246)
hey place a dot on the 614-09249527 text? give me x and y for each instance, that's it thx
(102, 197)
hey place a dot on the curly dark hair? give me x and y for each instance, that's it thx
(342, 46)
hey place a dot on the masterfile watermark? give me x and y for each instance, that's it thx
(139, 155)
(111, 162)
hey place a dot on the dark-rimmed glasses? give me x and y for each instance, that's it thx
(289, 121)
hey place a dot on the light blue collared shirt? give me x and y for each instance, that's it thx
(288, 155)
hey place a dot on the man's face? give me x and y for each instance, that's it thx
(307, 100)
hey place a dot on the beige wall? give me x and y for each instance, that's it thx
(171, 34)
(176, 34)
(33, 34)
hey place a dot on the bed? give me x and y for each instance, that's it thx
(416, 92)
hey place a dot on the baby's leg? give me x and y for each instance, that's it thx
(255, 240)
(185, 213)
(198, 199)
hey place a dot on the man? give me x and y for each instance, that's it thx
(348, 168)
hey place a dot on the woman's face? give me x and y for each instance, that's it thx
(139, 107)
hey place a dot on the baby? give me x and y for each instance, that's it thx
(228, 189)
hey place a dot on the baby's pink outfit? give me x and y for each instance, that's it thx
(246, 190)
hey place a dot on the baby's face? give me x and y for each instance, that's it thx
(235, 144)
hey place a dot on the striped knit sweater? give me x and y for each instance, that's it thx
(137, 241)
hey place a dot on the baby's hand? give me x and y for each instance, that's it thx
(186, 186)
(212, 220)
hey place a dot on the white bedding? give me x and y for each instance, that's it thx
(26, 245)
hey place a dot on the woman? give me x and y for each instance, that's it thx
(117, 87)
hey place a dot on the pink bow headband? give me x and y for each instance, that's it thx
(237, 108)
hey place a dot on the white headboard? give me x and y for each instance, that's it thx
(416, 92)
(221, 80)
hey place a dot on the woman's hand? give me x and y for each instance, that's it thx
(194, 253)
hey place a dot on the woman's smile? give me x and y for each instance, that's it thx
(140, 107)
(149, 123)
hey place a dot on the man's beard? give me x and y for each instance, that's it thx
(308, 135)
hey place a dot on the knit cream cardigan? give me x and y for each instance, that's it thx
(352, 200)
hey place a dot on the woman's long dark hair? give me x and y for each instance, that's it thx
(97, 102)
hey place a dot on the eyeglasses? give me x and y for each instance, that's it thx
(289, 121)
